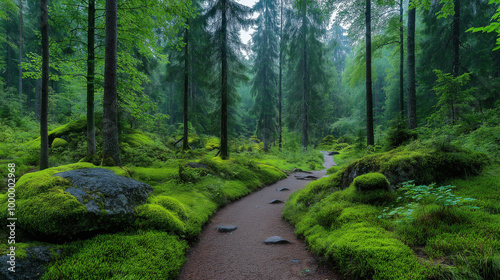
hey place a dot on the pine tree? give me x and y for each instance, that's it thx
(226, 18)
(306, 83)
(412, 91)
(265, 80)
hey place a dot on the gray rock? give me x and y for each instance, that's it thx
(276, 240)
(283, 189)
(295, 261)
(226, 228)
(306, 177)
(275, 201)
(196, 165)
(31, 267)
(102, 191)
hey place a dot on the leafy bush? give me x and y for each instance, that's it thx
(371, 182)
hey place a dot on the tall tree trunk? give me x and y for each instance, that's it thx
(111, 148)
(91, 148)
(44, 138)
(38, 99)
(456, 39)
(224, 151)
(185, 144)
(305, 135)
(280, 96)
(401, 61)
(370, 139)
(20, 57)
(412, 91)
(171, 100)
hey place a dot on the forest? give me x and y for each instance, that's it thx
(126, 126)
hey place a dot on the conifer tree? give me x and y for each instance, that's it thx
(225, 19)
(264, 88)
(306, 83)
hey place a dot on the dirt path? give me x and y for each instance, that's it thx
(242, 254)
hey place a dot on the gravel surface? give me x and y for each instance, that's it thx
(242, 254)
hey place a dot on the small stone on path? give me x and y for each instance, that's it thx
(274, 201)
(226, 228)
(306, 177)
(294, 261)
(276, 240)
(283, 189)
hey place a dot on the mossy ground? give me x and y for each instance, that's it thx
(436, 242)
(182, 201)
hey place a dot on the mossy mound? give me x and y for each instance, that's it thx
(59, 142)
(145, 255)
(424, 165)
(371, 182)
(154, 216)
(212, 143)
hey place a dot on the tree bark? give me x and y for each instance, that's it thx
(412, 92)
(20, 57)
(185, 143)
(456, 39)
(91, 147)
(401, 62)
(44, 138)
(224, 98)
(305, 135)
(111, 148)
(280, 128)
(370, 139)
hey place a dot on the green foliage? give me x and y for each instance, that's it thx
(143, 255)
(494, 25)
(398, 134)
(453, 96)
(371, 182)
(212, 143)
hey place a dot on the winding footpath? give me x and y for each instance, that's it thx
(242, 253)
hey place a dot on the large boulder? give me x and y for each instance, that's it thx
(104, 192)
(73, 201)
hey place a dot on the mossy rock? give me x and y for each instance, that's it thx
(371, 182)
(49, 209)
(59, 142)
(424, 166)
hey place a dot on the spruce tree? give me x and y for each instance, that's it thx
(306, 81)
(225, 20)
(264, 88)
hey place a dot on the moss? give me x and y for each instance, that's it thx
(32, 184)
(170, 204)
(143, 255)
(153, 216)
(334, 169)
(58, 142)
(212, 143)
(53, 213)
(371, 182)
(137, 138)
(75, 126)
(155, 175)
